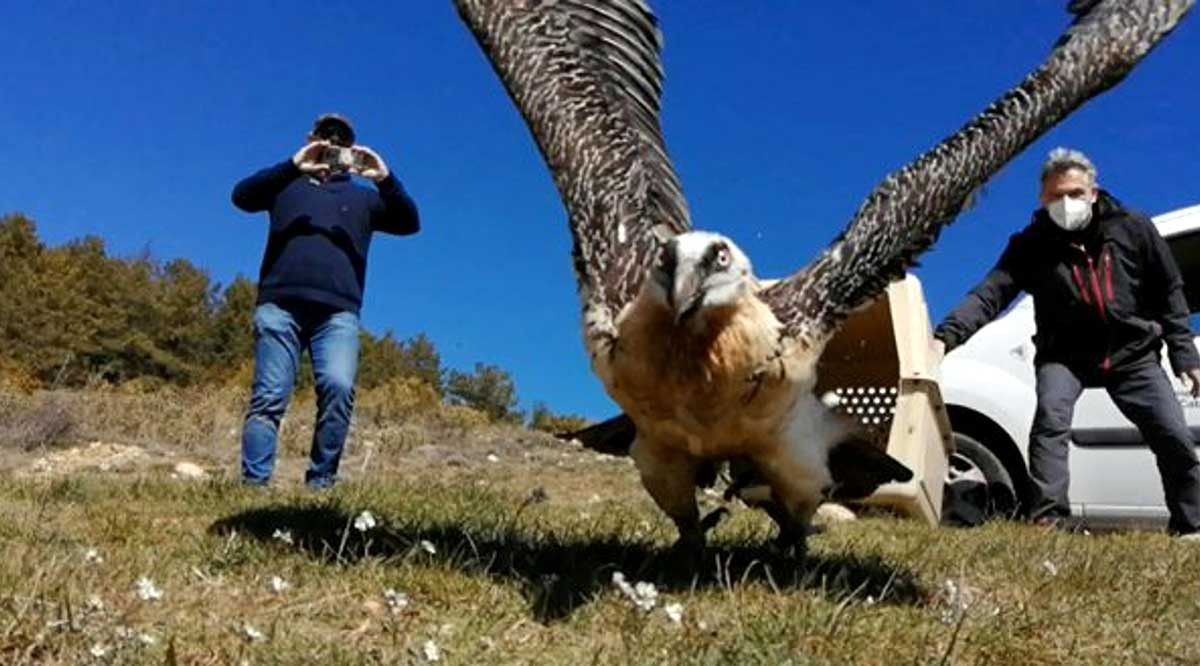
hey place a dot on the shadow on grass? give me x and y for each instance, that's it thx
(558, 575)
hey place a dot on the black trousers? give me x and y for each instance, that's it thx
(1144, 395)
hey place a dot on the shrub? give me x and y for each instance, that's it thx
(37, 421)
(16, 378)
(399, 398)
(543, 419)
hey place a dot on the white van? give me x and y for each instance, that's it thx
(988, 387)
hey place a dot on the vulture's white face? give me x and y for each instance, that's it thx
(698, 272)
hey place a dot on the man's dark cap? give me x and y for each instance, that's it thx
(334, 128)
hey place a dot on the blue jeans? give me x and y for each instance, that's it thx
(281, 333)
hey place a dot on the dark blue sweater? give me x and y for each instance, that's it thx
(320, 232)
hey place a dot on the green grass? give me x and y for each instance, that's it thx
(512, 581)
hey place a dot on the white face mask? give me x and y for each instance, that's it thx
(1069, 213)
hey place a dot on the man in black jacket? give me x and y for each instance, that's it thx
(310, 287)
(1107, 294)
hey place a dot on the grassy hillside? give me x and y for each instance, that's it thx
(491, 544)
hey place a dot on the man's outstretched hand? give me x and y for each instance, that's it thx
(1191, 381)
(370, 164)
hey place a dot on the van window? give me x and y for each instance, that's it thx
(1186, 249)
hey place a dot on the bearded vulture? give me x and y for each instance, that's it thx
(707, 363)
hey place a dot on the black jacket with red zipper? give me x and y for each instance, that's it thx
(1104, 297)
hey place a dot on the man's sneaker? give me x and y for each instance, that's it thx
(319, 483)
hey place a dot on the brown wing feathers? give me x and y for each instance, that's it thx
(587, 78)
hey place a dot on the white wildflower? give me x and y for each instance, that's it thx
(646, 591)
(252, 633)
(428, 547)
(674, 612)
(643, 595)
(147, 640)
(431, 651)
(957, 599)
(397, 601)
(1050, 568)
(493, 458)
(284, 536)
(279, 585)
(92, 556)
(364, 521)
(99, 651)
(147, 590)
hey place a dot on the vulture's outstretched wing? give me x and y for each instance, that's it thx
(586, 76)
(903, 215)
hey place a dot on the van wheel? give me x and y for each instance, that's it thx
(978, 487)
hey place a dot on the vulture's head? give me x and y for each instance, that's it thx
(700, 272)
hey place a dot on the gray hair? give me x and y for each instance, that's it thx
(1064, 159)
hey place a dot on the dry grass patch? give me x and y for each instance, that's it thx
(487, 576)
(491, 544)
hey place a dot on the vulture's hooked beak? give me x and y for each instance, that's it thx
(687, 292)
(682, 282)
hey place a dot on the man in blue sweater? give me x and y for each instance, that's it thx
(310, 286)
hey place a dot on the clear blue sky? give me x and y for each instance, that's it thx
(132, 121)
